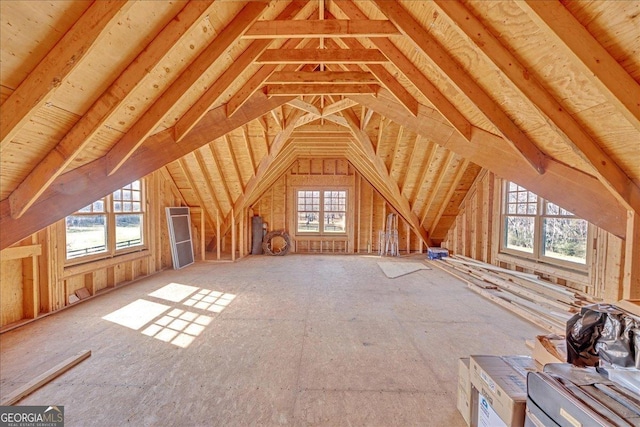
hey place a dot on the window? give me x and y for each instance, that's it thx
(322, 212)
(542, 229)
(111, 224)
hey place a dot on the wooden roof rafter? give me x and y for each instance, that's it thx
(437, 186)
(441, 58)
(604, 167)
(462, 167)
(321, 28)
(433, 149)
(81, 186)
(400, 201)
(580, 193)
(72, 144)
(53, 69)
(384, 77)
(204, 170)
(207, 99)
(186, 171)
(601, 68)
(408, 68)
(266, 162)
(150, 120)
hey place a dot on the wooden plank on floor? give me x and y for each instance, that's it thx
(393, 269)
(44, 378)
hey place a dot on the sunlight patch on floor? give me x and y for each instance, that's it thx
(174, 323)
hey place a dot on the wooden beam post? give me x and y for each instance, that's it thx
(631, 279)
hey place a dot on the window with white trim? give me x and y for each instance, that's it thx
(322, 211)
(541, 229)
(108, 226)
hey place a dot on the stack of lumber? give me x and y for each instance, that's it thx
(541, 302)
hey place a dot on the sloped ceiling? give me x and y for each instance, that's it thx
(416, 95)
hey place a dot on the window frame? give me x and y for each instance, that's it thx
(321, 231)
(538, 254)
(111, 248)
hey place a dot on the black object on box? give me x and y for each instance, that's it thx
(603, 333)
(573, 396)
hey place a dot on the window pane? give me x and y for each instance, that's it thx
(552, 209)
(128, 230)
(308, 222)
(86, 235)
(566, 239)
(519, 235)
(335, 223)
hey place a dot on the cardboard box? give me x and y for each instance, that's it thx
(464, 389)
(502, 382)
(550, 349)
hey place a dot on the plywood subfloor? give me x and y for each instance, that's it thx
(294, 340)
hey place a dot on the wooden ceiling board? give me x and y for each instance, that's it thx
(615, 26)
(425, 188)
(118, 45)
(442, 185)
(46, 22)
(228, 172)
(217, 180)
(163, 75)
(98, 146)
(617, 136)
(40, 135)
(411, 184)
(400, 156)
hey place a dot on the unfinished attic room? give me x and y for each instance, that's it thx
(323, 212)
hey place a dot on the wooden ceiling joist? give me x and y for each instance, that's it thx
(322, 56)
(72, 144)
(321, 89)
(441, 58)
(150, 120)
(601, 68)
(386, 79)
(408, 68)
(207, 100)
(257, 79)
(53, 69)
(605, 168)
(578, 192)
(321, 77)
(316, 28)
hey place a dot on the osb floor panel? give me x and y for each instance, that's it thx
(294, 340)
